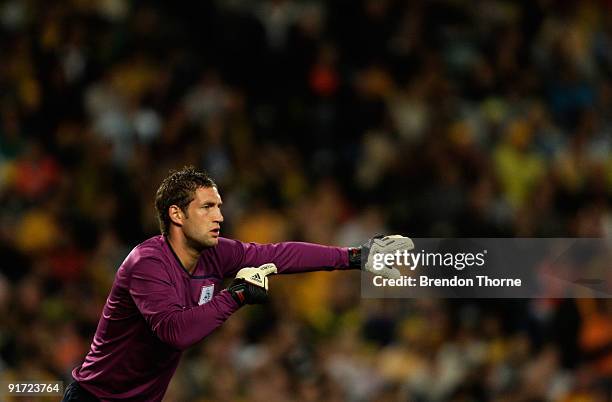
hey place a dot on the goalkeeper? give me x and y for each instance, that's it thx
(167, 293)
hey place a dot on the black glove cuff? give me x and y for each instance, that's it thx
(247, 293)
(354, 257)
(238, 291)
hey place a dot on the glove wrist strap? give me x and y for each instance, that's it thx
(238, 297)
(354, 254)
(238, 292)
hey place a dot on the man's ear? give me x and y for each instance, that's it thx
(176, 215)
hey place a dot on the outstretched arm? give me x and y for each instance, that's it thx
(289, 257)
(293, 257)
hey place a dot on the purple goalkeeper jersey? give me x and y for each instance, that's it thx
(156, 309)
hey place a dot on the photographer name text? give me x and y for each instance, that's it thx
(455, 281)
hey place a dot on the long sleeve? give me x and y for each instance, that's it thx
(289, 257)
(156, 299)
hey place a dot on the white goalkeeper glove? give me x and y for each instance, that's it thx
(251, 284)
(382, 245)
(257, 276)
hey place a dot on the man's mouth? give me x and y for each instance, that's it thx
(216, 231)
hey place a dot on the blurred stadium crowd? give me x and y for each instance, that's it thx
(324, 122)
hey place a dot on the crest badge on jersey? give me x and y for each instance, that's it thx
(206, 294)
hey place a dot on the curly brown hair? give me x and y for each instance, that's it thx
(178, 189)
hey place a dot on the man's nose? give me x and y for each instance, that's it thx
(219, 217)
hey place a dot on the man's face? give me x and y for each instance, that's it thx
(202, 223)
